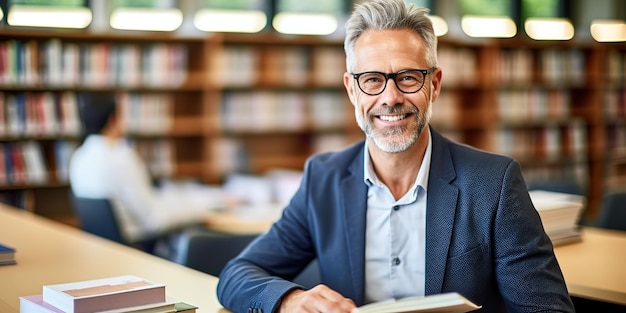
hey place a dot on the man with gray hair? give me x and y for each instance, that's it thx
(406, 212)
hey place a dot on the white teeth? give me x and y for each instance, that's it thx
(392, 118)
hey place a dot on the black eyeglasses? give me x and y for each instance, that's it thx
(407, 81)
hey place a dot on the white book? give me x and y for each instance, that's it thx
(439, 303)
(104, 294)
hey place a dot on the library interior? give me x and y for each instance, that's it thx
(225, 101)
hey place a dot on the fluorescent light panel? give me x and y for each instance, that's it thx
(549, 28)
(152, 19)
(608, 30)
(304, 23)
(488, 26)
(49, 16)
(439, 24)
(241, 21)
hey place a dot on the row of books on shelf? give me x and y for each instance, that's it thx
(146, 113)
(513, 107)
(55, 62)
(536, 104)
(159, 155)
(38, 113)
(265, 110)
(292, 66)
(232, 155)
(22, 163)
(616, 66)
(616, 136)
(460, 66)
(30, 162)
(32, 114)
(556, 66)
(513, 66)
(615, 104)
(550, 142)
(118, 294)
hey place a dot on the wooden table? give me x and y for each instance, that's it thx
(49, 252)
(595, 268)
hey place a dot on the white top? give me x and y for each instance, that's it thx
(395, 262)
(105, 168)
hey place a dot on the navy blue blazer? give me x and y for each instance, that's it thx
(484, 238)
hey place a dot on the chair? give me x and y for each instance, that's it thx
(613, 211)
(209, 251)
(97, 216)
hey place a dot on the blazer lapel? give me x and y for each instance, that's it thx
(440, 211)
(354, 207)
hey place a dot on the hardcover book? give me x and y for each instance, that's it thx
(103, 294)
(439, 303)
(35, 304)
(7, 255)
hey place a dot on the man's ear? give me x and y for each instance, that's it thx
(435, 84)
(348, 83)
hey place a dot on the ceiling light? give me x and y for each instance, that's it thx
(439, 24)
(49, 16)
(549, 28)
(304, 24)
(488, 26)
(125, 18)
(608, 30)
(241, 21)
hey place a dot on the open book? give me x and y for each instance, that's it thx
(440, 303)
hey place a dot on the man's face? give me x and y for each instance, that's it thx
(393, 120)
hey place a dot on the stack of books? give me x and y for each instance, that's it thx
(560, 214)
(7, 255)
(120, 294)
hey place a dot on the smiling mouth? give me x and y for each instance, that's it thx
(392, 118)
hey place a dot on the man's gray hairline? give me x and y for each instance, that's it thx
(368, 16)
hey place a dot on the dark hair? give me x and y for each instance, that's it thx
(95, 110)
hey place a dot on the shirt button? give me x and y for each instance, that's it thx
(396, 207)
(395, 261)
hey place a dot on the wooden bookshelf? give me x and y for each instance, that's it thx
(251, 103)
(161, 83)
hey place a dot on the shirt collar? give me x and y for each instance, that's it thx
(370, 178)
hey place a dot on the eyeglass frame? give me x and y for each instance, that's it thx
(393, 76)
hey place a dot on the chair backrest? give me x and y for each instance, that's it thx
(209, 251)
(613, 211)
(97, 216)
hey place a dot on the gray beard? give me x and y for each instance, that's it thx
(393, 139)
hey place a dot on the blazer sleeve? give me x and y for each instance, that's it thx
(528, 275)
(259, 276)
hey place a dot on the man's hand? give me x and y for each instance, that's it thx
(320, 299)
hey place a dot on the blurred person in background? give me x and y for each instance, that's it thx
(105, 166)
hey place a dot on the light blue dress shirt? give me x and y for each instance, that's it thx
(395, 236)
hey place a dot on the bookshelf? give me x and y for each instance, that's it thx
(251, 103)
(282, 99)
(160, 83)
